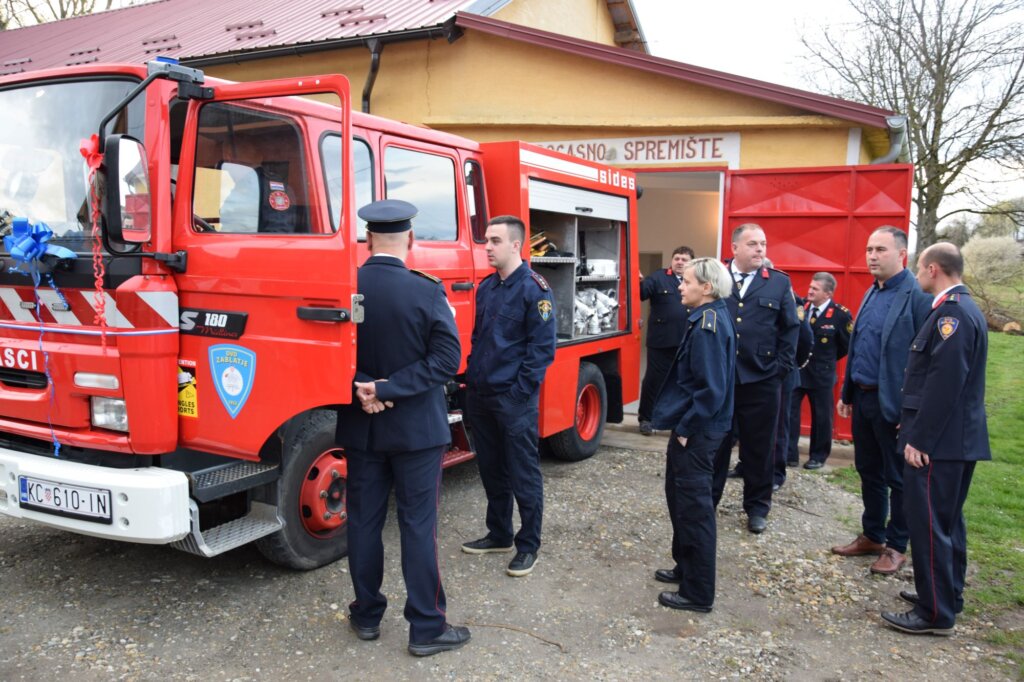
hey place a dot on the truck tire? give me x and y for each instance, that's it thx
(581, 440)
(311, 496)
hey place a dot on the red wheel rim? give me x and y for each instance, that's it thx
(588, 412)
(322, 498)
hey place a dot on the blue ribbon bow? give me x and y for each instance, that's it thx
(27, 243)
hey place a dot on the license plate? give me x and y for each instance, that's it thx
(75, 501)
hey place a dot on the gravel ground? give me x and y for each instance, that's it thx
(86, 609)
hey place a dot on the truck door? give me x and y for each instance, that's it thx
(819, 219)
(429, 177)
(266, 299)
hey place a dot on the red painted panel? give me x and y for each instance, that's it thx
(819, 219)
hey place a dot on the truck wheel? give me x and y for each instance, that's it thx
(581, 440)
(311, 498)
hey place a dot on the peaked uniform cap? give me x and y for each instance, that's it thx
(388, 215)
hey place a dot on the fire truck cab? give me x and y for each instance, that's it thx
(171, 376)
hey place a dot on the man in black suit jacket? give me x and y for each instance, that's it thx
(943, 433)
(395, 432)
(665, 326)
(764, 316)
(831, 325)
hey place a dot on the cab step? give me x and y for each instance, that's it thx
(262, 520)
(222, 480)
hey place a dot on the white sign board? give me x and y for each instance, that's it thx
(668, 150)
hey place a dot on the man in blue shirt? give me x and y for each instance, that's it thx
(892, 311)
(513, 343)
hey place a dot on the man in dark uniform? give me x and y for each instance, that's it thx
(513, 344)
(942, 434)
(783, 434)
(665, 325)
(396, 431)
(831, 324)
(893, 310)
(697, 403)
(764, 315)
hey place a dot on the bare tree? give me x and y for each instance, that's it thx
(955, 68)
(19, 13)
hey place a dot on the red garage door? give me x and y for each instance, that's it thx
(819, 219)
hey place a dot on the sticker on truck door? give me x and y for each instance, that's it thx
(233, 369)
(188, 394)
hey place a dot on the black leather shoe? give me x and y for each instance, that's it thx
(912, 623)
(485, 546)
(791, 463)
(364, 633)
(776, 487)
(453, 637)
(909, 597)
(522, 564)
(734, 473)
(912, 598)
(667, 575)
(757, 524)
(646, 428)
(674, 600)
(813, 464)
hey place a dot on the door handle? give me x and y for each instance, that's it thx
(317, 314)
(462, 286)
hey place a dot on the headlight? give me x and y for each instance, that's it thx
(109, 413)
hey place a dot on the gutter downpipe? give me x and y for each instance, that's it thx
(897, 137)
(376, 47)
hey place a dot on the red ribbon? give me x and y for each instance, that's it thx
(90, 149)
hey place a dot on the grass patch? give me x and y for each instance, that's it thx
(846, 478)
(1013, 643)
(995, 506)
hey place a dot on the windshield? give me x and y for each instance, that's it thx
(42, 172)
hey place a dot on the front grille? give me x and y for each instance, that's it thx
(19, 378)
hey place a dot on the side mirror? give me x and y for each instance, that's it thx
(128, 199)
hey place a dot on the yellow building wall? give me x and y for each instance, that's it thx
(490, 88)
(584, 19)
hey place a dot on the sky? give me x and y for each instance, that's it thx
(761, 39)
(750, 38)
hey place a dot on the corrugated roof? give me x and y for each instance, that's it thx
(800, 99)
(197, 28)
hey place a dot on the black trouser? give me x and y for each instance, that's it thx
(505, 439)
(934, 499)
(688, 474)
(782, 428)
(821, 422)
(659, 362)
(755, 417)
(416, 478)
(881, 472)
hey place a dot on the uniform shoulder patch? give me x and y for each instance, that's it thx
(709, 320)
(432, 278)
(541, 282)
(954, 298)
(843, 308)
(801, 313)
(947, 326)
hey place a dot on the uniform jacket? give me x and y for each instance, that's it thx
(698, 394)
(905, 317)
(831, 332)
(409, 338)
(767, 327)
(668, 314)
(944, 390)
(513, 335)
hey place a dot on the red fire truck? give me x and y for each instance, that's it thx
(177, 329)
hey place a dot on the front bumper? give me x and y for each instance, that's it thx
(149, 505)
